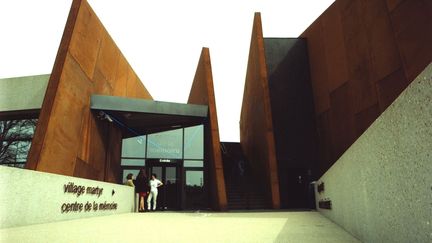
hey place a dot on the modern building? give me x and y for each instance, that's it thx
(96, 120)
(306, 101)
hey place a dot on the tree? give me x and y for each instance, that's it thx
(15, 138)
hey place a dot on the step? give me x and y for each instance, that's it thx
(246, 195)
(259, 201)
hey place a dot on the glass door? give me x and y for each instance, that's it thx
(168, 173)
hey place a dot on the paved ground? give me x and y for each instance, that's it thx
(304, 227)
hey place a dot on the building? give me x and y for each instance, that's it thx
(306, 101)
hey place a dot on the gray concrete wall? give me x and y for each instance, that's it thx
(23, 93)
(31, 197)
(381, 188)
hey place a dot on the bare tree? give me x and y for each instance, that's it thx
(15, 138)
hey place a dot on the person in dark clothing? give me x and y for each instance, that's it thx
(142, 188)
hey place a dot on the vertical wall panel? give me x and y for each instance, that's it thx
(325, 141)
(318, 70)
(108, 59)
(69, 139)
(120, 85)
(412, 24)
(383, 41)
(390, 87)
(335, 51)
(392, 4)
(86, 39)
(202, 93)
(384, 54)
(358, 55)
(293, 114)
(256, 126)
(366, 117)
(342, 119)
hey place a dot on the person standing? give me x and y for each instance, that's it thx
(142, 188)
(154, 184)
(129, 180)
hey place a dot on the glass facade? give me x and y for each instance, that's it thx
(133, 162)
(194, 142)
(16, 137)
(185, 143)
(168, 145)
(180, 150)
(134, 147)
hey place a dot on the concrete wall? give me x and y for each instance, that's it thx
(380, 188)
(22, 93)
(362, 55)
(69, 139)
(256, 126)
(41, 197)
(202, 93)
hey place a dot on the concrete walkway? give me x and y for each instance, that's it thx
(272, 226)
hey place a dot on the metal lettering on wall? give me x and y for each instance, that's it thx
(320, 187)
(325, 203)
(87, 206)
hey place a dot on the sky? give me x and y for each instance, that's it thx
(162, 41)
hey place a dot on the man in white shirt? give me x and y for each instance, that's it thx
(154, 184)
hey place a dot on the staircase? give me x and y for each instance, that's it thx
(243, 191)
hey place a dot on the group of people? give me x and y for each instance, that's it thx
(145, 188)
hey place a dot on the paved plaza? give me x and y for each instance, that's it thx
(269, 226)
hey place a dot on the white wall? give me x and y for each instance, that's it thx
(23, 93)
(381, 188)
(32, 197)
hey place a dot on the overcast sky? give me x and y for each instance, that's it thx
(162, 41)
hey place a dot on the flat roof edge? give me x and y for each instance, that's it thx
(116, 103)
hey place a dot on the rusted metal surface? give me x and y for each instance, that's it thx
(202, 93)
(256, 127)
(69, 140)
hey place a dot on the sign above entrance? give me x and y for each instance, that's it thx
(171, 161)
(161, 161)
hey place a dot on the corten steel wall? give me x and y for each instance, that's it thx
(256, 128)
(362, 55)
(69, 140)
(202, 93)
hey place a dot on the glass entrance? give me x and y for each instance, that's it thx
(167, 171)
(182, 168)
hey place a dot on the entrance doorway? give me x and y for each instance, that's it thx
(295, 188)
(177, 158)
(168, 172)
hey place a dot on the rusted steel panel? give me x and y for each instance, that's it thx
(256, 127)
(202, 93)
(69, 140)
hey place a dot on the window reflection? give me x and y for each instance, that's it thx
(196, 197)
(133, 162)
(15, 141)
(165, 145)
(194, 178)
(193, 163)
(194, 142)
(134, 147)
